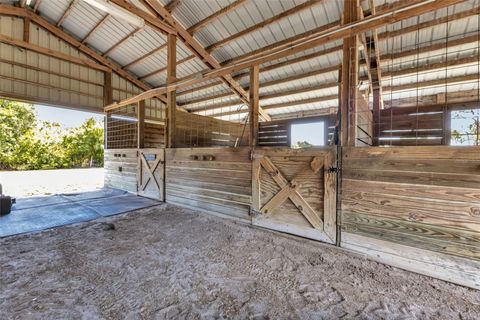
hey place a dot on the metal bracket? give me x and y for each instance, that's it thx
(253, 213)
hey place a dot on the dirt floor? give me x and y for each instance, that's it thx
(47, 182)
(172, 263)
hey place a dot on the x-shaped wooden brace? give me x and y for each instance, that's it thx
(289, 190)
(150, 171)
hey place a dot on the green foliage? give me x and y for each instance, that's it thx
(302, 144)
(468, 131)
(27, 144)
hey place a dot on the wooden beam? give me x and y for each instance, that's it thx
(53, 53)
(254, 104)
(225, 10)
(150, 20)
(26, 29)
(67, 12)
(107, 89)
(145, 56)
(122, 41)
(327, 36)
(37, 4)
(172, 5)
(141, 124)
(171, 95)
(110, 65)
(95, 28)
(349, 81)
(163, 69)
(199, 51)
(263, 24)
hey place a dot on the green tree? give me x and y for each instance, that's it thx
(84, 145)
(302, 144)
(17, 121)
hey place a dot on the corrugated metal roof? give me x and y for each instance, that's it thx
(84, 18)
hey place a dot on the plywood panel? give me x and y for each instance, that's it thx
(121, 166)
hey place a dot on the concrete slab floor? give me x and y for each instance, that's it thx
(167, 262)
(41, 213)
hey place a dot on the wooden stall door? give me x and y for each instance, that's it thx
(151, 166)
(294, 191)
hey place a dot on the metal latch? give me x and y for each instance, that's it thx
(333, 170)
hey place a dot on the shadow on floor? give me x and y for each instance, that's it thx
(40, 213)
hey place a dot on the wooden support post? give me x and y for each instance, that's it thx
(107, 89)
(254, 93)
(376, 115)
(171, 95)
(141, 124)
(349, 77)
(26, 29)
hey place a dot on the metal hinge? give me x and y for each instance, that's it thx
(253, 213)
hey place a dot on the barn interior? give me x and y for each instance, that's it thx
(204, 104)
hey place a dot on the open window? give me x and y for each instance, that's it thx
(465, 127)
(310, 134)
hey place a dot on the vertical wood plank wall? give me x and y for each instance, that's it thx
(417, 208)
(218, 180)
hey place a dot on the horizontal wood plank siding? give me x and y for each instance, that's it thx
(218, 180)
(121, 167)
(425, 198)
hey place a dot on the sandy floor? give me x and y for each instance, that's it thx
(170, 263)
(46, 182)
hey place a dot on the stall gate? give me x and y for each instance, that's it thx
(294, 191)
(151, 172)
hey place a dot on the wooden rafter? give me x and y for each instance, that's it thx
(122, 41)
(95, 28)
(145, 56)
(172, 5)
(110, 65)
(263, 24)
(164, 69)
(333, 34)
(199, 50)
(37, 4)
(67, 12)
(225, 10)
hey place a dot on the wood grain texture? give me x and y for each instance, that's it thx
(426, 199)
(289, 190)
(216, 180)
(121, 169)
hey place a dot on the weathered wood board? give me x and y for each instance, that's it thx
(423, 199)
(151, 172)
(121, 169)
(294, 191)
(216, 180)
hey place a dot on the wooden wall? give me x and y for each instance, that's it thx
(411, 126)
(193, 130)
(364, 123)
(417, 208)
(277, 133)
(121, 169)
(218, 180)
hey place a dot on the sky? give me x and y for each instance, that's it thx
(313, 133)
(65, 117)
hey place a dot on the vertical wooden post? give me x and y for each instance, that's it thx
(141, 124)
(107, 89)
(171, 95)
(26, 29)
(376, 116)
(254, 93)
(349, 77)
